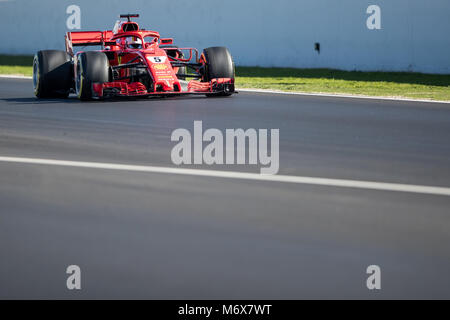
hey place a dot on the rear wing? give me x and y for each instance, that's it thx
(87, 38)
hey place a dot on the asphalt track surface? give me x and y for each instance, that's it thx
(165, 236)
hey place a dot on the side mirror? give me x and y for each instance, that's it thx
(166, 41)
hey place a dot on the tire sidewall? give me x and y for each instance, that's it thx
(80, 85)
(37, 76)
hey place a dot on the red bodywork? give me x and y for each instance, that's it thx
(161, 67)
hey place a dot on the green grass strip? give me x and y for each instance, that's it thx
(385, 84)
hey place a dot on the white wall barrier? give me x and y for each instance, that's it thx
(397, 35)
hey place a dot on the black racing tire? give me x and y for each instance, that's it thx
(172, 53)
(219, 64)
(92, 67)
(52, 74)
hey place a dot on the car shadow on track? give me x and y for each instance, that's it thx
(33, 100)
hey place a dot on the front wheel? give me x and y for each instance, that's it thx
(92, 67)
(219, 64)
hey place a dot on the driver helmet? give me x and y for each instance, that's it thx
(134, 43)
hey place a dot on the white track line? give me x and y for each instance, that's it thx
(240, 175)
(7, 76)
(329, 95)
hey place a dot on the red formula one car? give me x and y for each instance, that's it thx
(132, 62)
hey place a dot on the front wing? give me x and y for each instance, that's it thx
(137, 89)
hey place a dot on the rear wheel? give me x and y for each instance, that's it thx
(52, 74)
(92, 67)
(219, 64)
